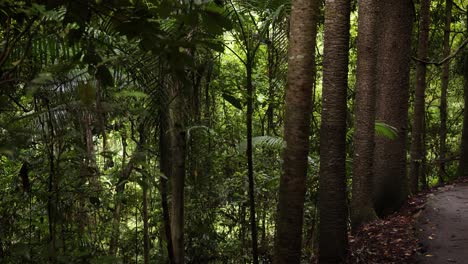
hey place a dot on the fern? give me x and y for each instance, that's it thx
(275, 143)
(263, 141)
(385, 130)
(381, 129)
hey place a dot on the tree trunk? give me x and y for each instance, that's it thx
(272, 72)
(178, 150)
(126, 170)
(146, 239)
(249, 152)
(119, 189)
(419, 99)
(393, 67)
(332, 191)
(443, 92)
(362, 209)
(165, 165)
(301, 54)
(463, 164)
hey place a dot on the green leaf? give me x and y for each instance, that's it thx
(385, 130)
(134, 94)
(233, 101)
(265, 141)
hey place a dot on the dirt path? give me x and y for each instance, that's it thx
(443, 228)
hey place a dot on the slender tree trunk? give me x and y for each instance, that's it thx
(463, 164)
(52, 188)
(419, 99)
(332, 191)
(271, 81)
(301, 54)
(165, 165)
(393, 67)
(443, 92)
(146, 239)
(249, 152)
(119, 189)
(127, 169)
(362, 209)
(423, 180)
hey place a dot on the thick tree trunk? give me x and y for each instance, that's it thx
(393, 67)
(362, 209)
(417, 142)
(178, 150)
(443, 92)
(301, 68)
(332, 191)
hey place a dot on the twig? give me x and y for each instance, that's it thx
(448, 58)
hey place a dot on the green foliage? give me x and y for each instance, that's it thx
(385, 130)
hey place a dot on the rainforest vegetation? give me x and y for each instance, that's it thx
(222, 131)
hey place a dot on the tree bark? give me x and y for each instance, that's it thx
(463, 164)
(362, 209)
(249, 152)
(146, 239)
(393, 67)
(443, 92)
(301, 71)
(165, 165)
(332, 191)
(178, 150)
(417, 142)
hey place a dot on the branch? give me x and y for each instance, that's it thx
(235, 53)
(448, 58)
(19, 104)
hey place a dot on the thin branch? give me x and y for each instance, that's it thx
(235, 54)
(19, 104)
(448, 58)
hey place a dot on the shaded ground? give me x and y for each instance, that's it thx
(443, 226)
(431, 228)
(389, 240)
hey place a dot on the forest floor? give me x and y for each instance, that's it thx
(430, 228)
